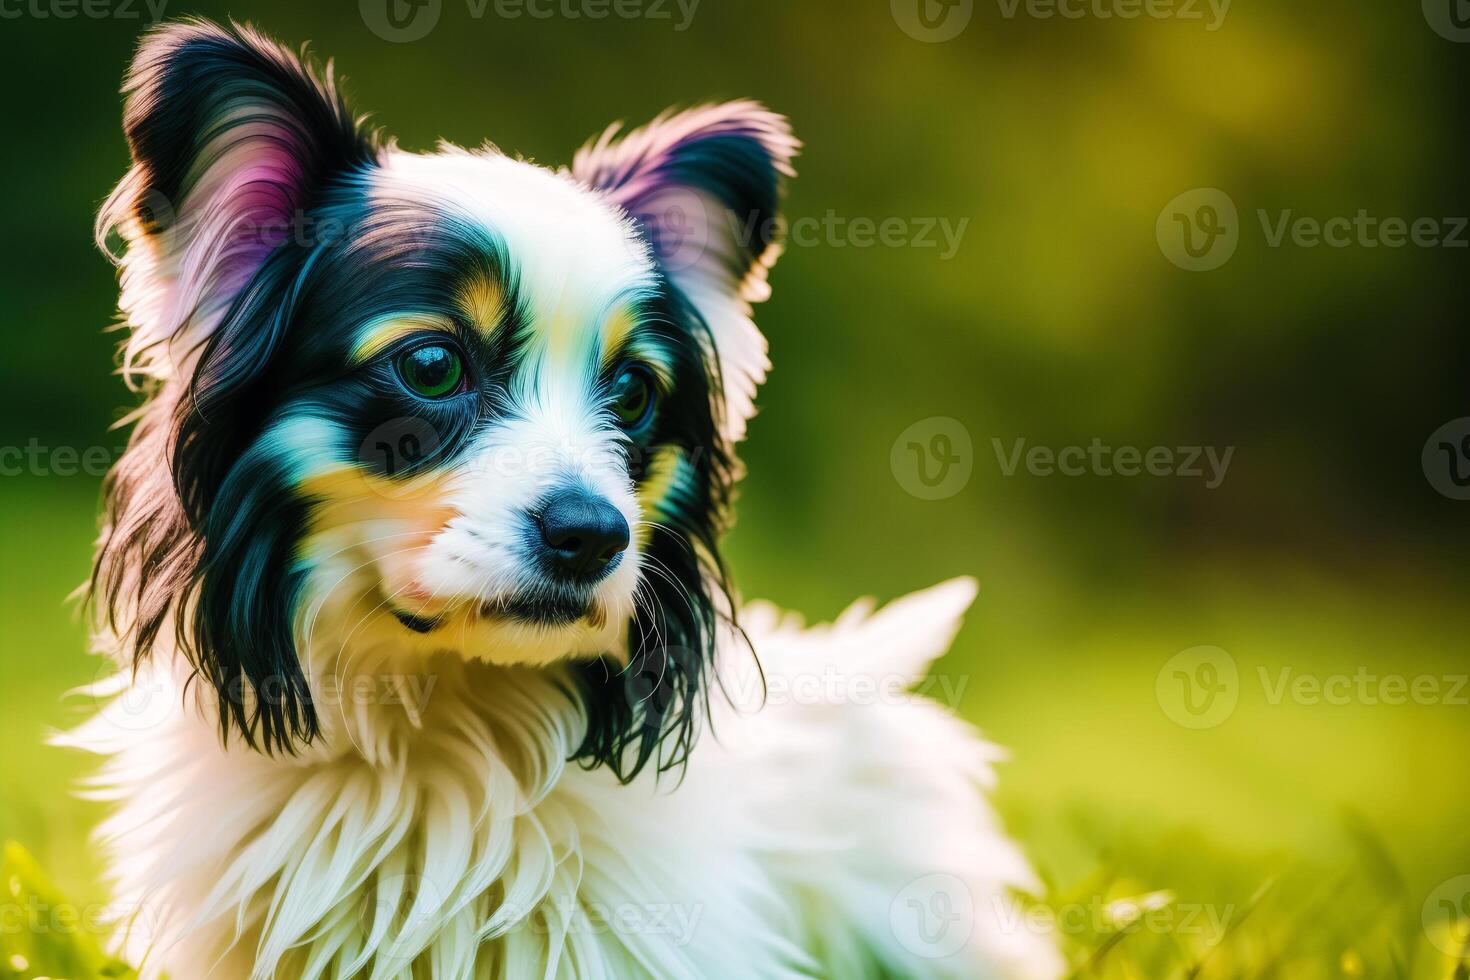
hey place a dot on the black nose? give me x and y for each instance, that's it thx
(584, 534)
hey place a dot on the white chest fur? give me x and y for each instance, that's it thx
(436, 830)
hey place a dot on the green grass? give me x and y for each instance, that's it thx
(1294, 840)
(45, 934)
(1220, 916)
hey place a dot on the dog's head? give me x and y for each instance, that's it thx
(488, 407)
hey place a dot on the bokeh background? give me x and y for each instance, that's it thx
(1320, 830)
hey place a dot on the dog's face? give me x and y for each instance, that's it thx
(470, 404)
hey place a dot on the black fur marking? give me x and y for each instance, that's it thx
(207, 542)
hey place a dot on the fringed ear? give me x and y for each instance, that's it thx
(231, 137)
(704, 186)
(234, 141)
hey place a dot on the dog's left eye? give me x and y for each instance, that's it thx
(633, 397)
(432, 371)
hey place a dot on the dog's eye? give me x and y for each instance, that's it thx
(432, 371)
(633, 398)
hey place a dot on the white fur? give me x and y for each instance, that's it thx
(436, 831)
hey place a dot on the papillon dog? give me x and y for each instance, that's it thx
(430, 666)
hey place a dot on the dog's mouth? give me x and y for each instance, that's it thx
(531, 610)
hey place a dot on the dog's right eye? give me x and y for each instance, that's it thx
(432, 371)
(633, 398)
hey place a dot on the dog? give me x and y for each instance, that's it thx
(430, 665)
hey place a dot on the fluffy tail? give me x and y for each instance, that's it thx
(870, 794)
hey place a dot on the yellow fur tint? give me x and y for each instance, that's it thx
(483, 303)
(379, 336)
(560, 331)
(662, 469)
(567, 336)
(621, 338)
(619, 327)
(347, 494)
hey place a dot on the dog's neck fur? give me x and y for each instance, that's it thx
(432, 815)
(436, 829)
(419, 815)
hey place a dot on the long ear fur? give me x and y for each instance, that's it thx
(705, 186)
(233, 138)
(231, 135)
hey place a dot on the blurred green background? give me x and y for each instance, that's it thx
(1058, 319)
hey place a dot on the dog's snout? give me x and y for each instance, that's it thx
(583, 534)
